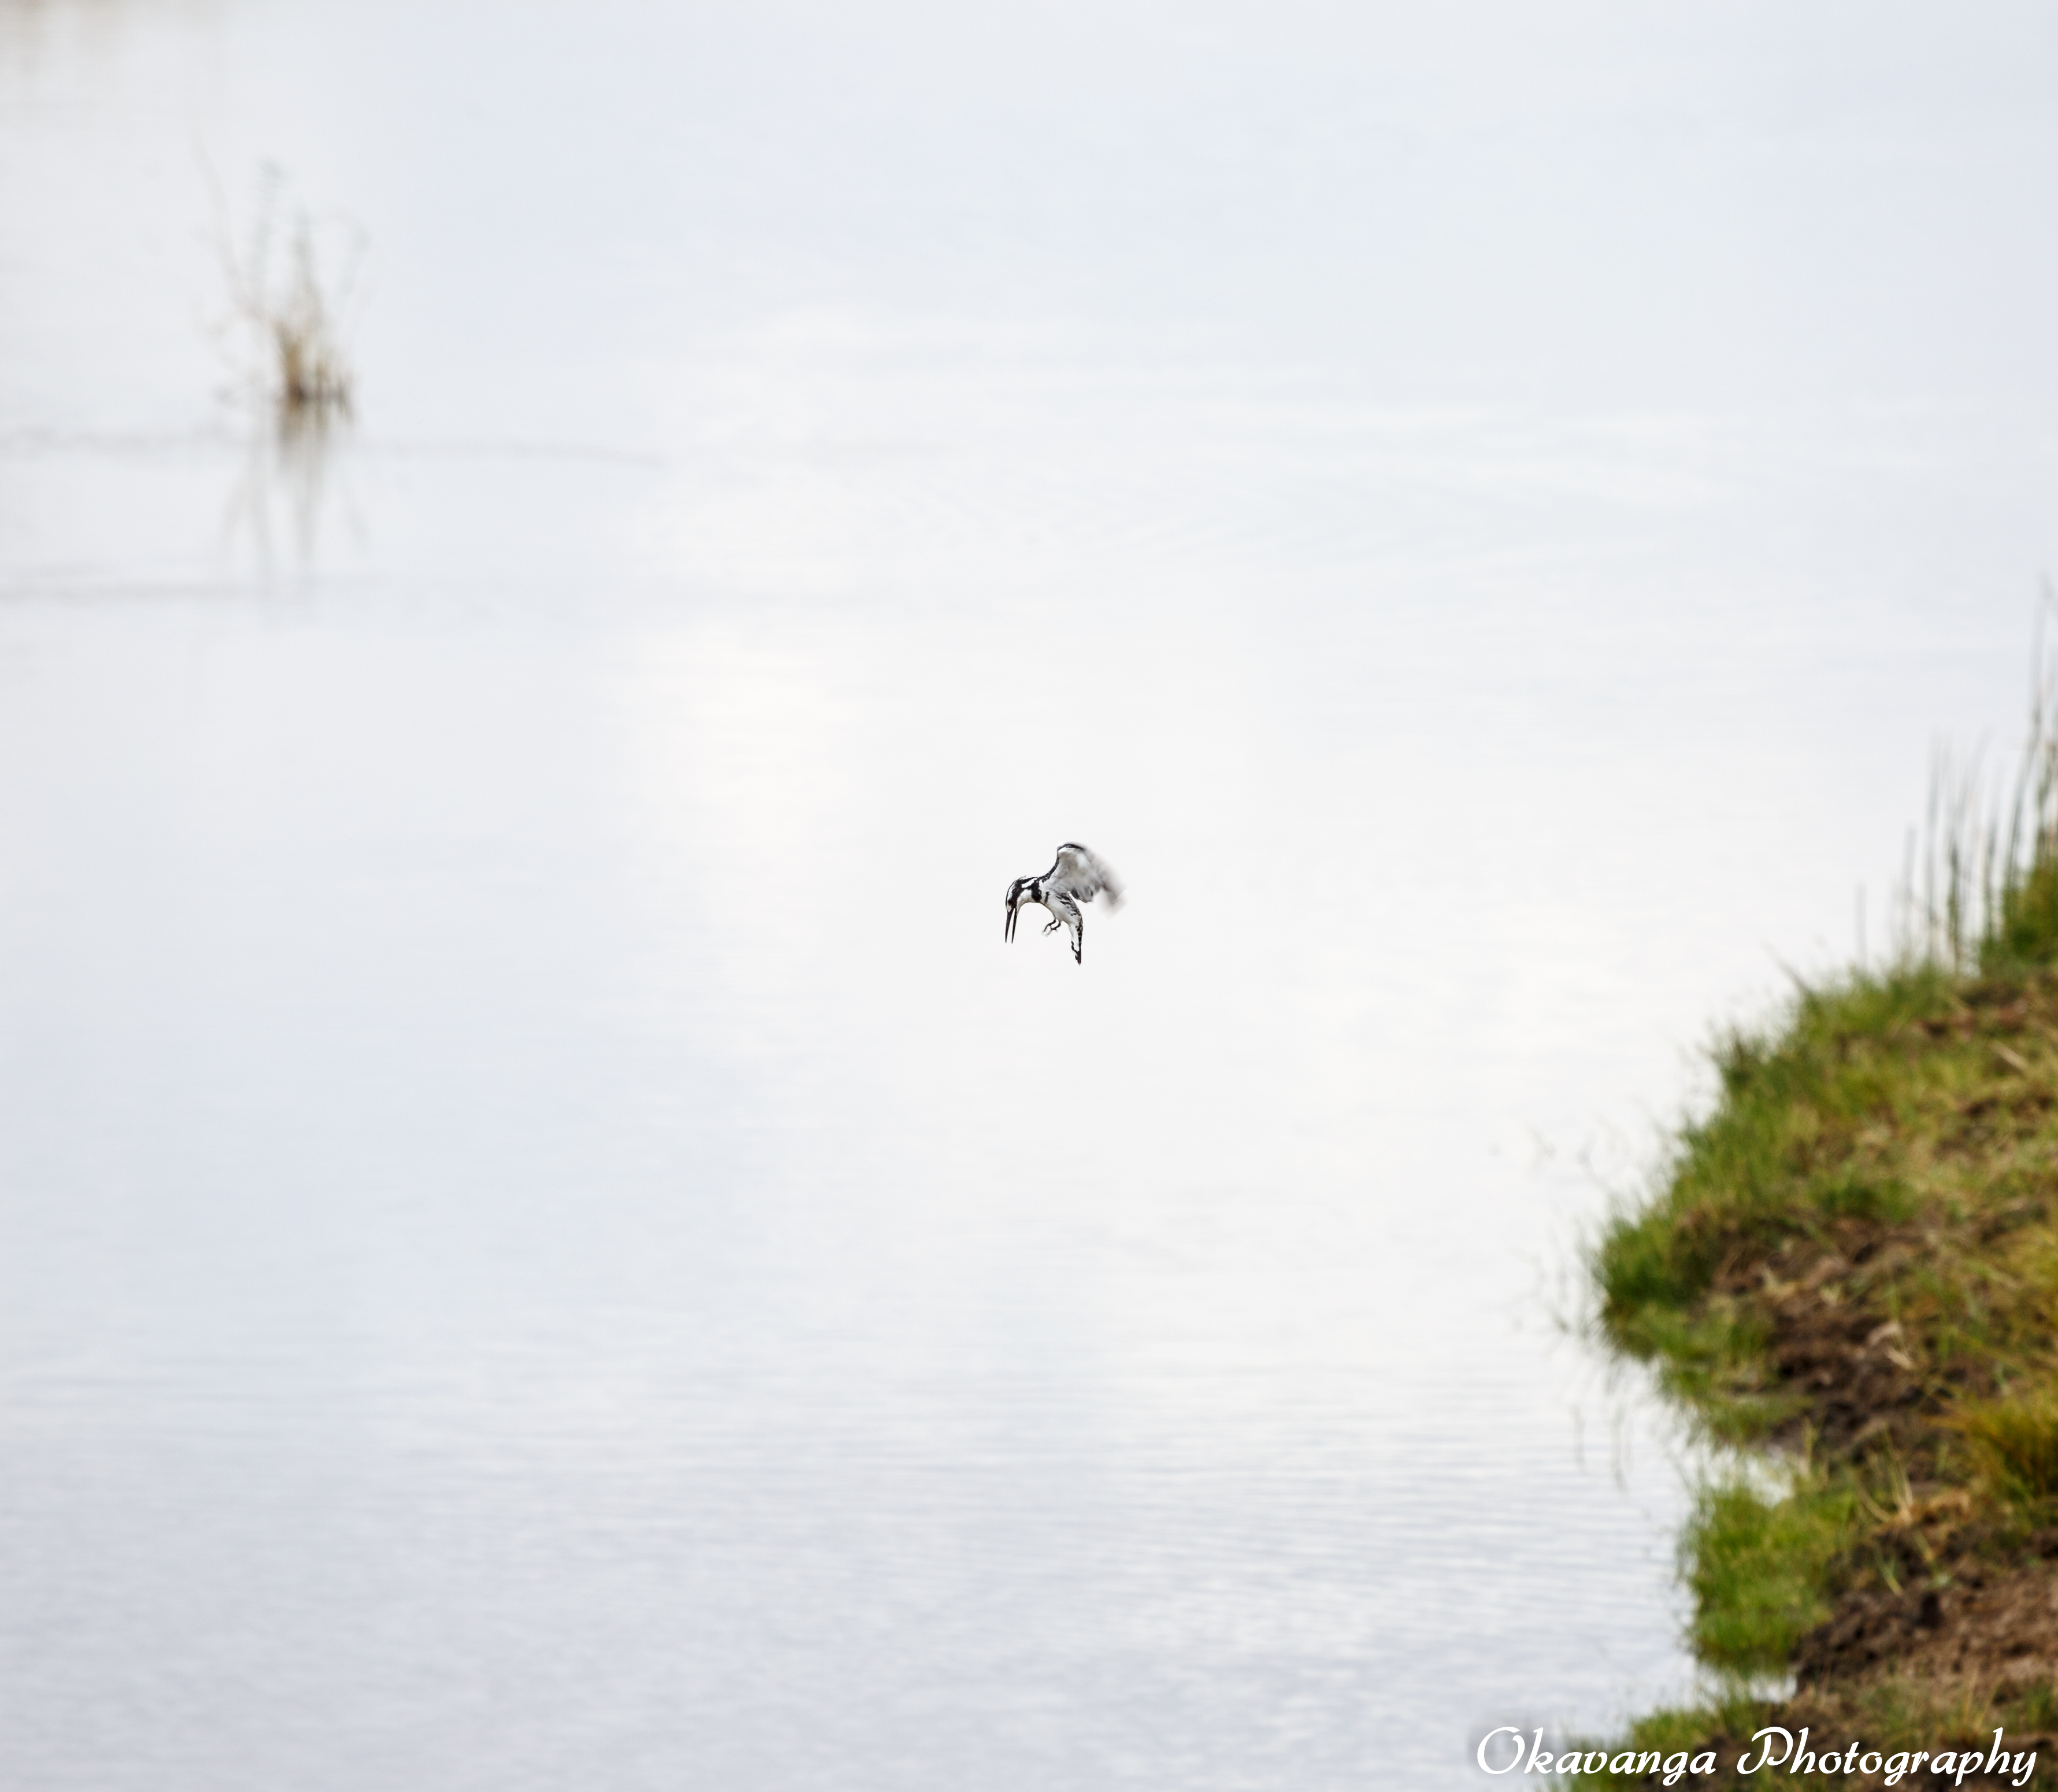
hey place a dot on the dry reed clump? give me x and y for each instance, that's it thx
(295, 316)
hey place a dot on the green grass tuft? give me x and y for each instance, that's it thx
(1759, 1570)
(2025, 933)
(2015, 1443)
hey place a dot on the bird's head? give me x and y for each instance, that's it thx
(1018, 893)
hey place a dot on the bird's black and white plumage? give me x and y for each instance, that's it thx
(1067, 886)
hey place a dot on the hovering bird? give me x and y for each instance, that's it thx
(1073, 881)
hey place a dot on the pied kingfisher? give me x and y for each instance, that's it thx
(1074, 879)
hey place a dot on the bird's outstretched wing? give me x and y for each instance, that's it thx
(1081, 875)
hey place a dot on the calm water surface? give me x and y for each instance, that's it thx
(545, 1243)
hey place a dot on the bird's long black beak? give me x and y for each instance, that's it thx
(1009, 932)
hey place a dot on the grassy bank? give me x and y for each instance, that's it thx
(1849, 1269)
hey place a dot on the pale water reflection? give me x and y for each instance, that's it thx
(544, 1239)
